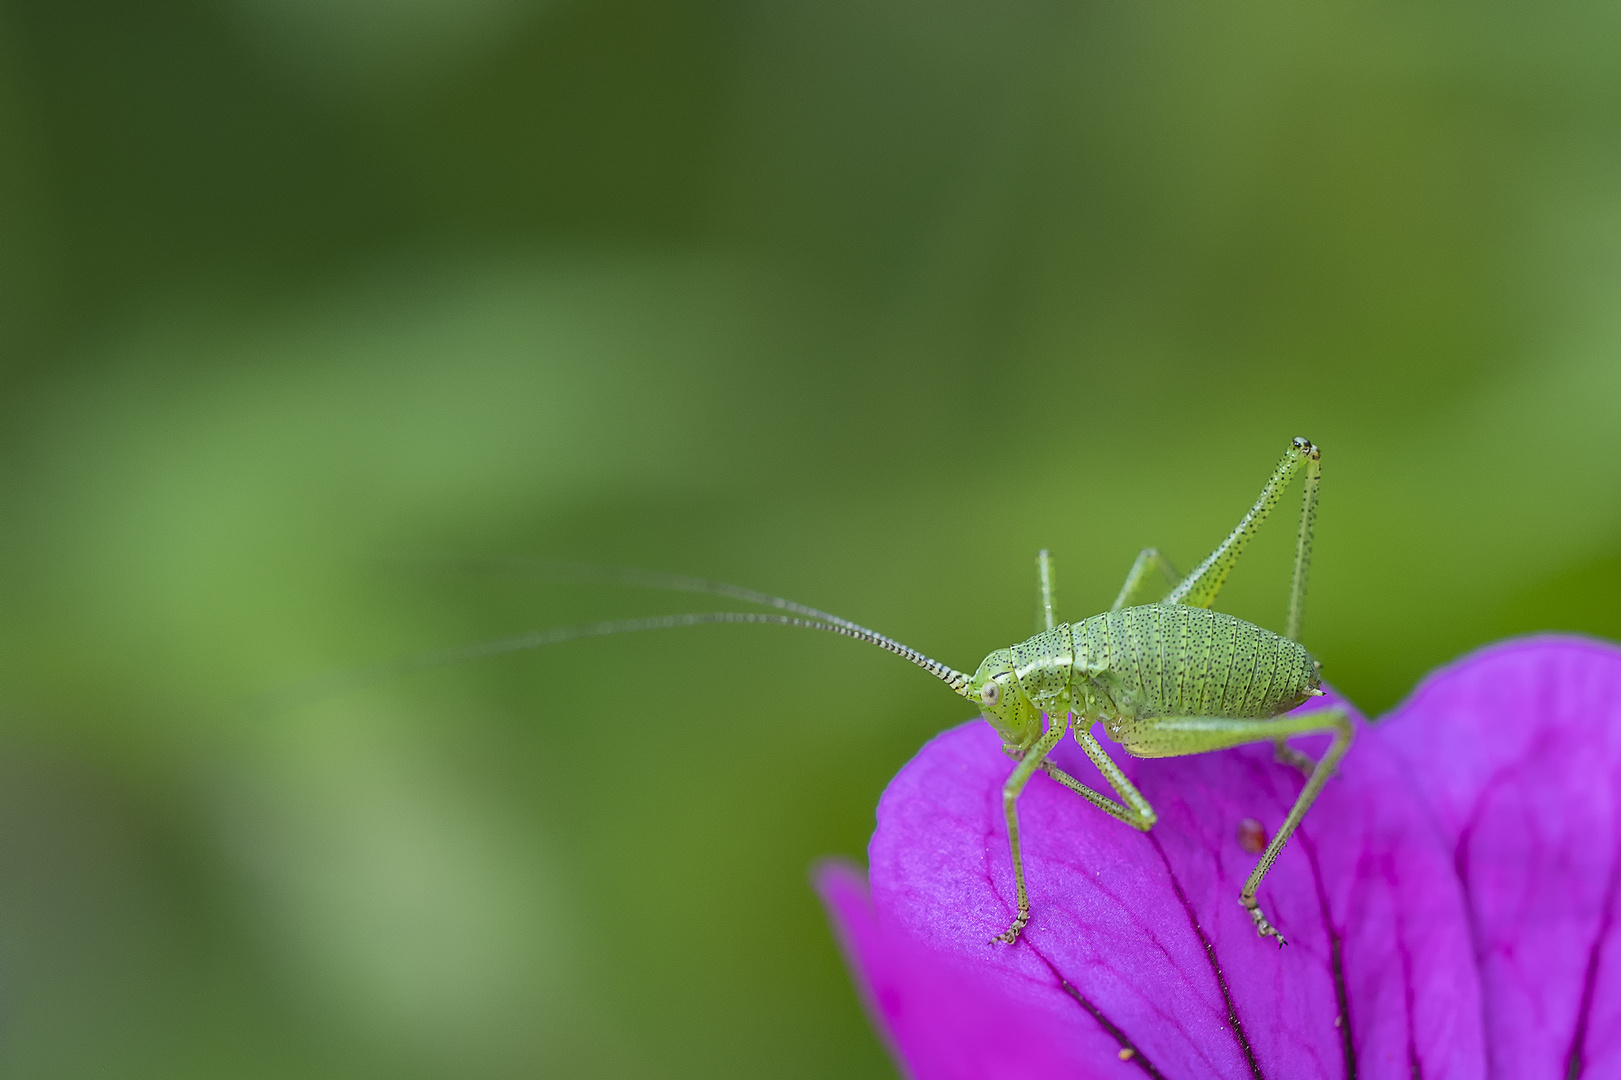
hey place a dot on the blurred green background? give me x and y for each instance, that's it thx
(857, 303)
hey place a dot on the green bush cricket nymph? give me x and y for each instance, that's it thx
(1166, 679)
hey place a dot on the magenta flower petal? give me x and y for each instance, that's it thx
(941, 1020)
(1517, 751)
(1138, 941)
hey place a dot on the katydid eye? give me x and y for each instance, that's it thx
(991, 693)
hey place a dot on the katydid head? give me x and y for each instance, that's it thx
(995, 689)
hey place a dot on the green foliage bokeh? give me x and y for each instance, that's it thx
(861, 304)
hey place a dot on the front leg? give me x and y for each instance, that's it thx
(1028, 764)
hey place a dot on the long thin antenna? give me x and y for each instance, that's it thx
(343, 682)
(654, 579)
(635, 578)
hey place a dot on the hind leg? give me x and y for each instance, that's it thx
(1181, 735)
(1200, 587)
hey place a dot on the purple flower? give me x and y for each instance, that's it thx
(1450, 901)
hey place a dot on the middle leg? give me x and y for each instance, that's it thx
(1133, 810)
(1148, 560)
(1047, 616)
(1011, 789)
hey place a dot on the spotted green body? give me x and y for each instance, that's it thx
(1153, 661)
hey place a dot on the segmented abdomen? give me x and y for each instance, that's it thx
(1172, 660)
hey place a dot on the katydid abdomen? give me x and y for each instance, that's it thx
(1173, 660)
(1162, 660)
